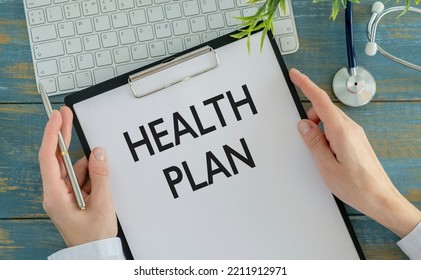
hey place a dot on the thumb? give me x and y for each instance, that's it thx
(98, 173)
(316, 141)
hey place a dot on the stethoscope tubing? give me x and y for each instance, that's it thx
(349, 31)
(374, 21)
(372, 31)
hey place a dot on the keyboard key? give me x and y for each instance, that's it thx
(250, 11)
(155, 13)
(108, 6)
(145, 33)
(120, 20)
(192, 41)
(209, 36)
(173, 11)
(84, 79)
(121, 55)
(137, 17)
(242, 3)
(49, 84)
(85, 61)
(161, 1)
(123, 69)
(73, 45)
(208, 6)
(103, 74)
(66, 29)
(127, 36)
(91, 42)
(103, 58)
(198, 24)
(181, 27)
(175, 45)
(37, 3)
(157, 48)
(109, 39)
(162, 30)
(90, 8)
(226, 4)
(216, 21)
(72, 10)
(139, 51)
(142, 3)
(288, 43)
(190, 8)
(226, 31)
(60, 1)
(283, 26)
(67, 64)
(84, 26)
(43, 33)
(66, 82)
(54, 13)
(47, 68)
(102, 23)
(231, 18)
(47, 50)
(125, 4)
(36, 17)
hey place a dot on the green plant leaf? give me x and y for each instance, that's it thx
(264, 17)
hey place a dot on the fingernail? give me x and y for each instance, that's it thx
(304, 127)
(99, 153)
(296, 70)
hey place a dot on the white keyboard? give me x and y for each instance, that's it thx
(76, 44)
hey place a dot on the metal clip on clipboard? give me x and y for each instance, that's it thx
(173, 71)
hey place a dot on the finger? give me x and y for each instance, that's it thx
(49, 164)
(321, 102)
(67, 125)
(86, 188)
(98, 173)
(312, 115)
(317, 143)
(81, 170)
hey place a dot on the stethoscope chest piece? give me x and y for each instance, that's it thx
(354, 86)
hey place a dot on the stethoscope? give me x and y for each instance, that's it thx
(354, 85)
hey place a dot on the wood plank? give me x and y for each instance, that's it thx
(17, 82)
(21, 128)
(29, 239)
(377, 242)
(38, 238)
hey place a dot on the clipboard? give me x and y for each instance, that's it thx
(206, 162)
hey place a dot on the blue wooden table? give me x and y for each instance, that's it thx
(392, 120)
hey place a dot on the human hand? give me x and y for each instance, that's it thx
(98, 220)
(348, 164)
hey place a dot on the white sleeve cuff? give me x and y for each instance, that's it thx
(105, 249)
(411, 244)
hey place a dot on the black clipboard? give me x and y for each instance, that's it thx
(206, 48)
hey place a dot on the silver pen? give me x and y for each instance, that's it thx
(64, 151)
